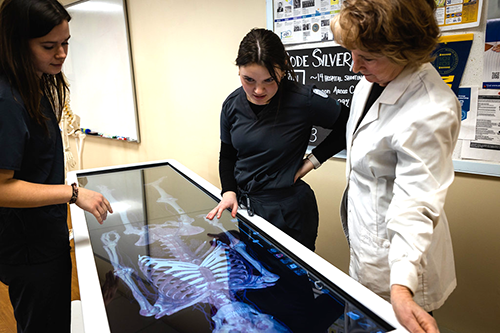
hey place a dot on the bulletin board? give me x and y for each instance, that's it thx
(99, 69)
(321, 64)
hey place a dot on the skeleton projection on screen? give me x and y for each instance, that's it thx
(169, 233)
(211, 273)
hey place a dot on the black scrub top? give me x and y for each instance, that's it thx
(31, 235)
(271, 145)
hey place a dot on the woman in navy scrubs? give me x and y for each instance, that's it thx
(35, 259)
(265, 129)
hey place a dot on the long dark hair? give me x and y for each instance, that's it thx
(20, 21)
(263, 47)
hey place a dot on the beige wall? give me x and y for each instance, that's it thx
(184, 53)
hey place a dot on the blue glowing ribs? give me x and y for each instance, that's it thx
(210, 274)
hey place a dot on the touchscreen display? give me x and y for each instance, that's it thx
(164, 267)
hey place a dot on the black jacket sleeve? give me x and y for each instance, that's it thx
(227, 160)
(335, 141)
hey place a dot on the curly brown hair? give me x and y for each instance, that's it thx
(405, 31)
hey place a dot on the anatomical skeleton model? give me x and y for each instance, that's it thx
(70, 127)
(209, 274)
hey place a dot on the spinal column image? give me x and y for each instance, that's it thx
(164, 267)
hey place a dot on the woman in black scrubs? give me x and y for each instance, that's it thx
(35, 260)
(265, 129)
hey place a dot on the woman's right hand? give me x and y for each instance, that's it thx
(410, 314)
(229, 200)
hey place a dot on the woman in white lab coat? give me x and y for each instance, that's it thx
(401, 133)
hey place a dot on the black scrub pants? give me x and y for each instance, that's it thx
(293, 210)
(40, 295)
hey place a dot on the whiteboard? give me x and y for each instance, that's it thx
(99, 69)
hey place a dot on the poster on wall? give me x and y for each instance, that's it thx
(458, 14)
(303, 21)
(329, 69)
(491, 57)
(486, 145)
(467, 97)
(451, 56)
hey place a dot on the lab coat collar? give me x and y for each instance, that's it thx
(396, 88)
(391, 94)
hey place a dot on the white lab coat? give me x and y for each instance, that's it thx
(398, 168)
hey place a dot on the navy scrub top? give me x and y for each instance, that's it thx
(31, 235)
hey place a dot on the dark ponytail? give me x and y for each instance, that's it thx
(263, 47)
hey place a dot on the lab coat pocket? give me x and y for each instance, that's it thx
(372, 262)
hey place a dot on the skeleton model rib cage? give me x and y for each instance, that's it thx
(209, 273)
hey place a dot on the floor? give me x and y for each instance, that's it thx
(7, 321)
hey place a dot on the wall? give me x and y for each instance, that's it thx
(183, 53)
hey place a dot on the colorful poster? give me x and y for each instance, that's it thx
(450, 58)
(304, 21)
(458, 14)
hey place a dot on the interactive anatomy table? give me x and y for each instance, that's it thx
(158, 265)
